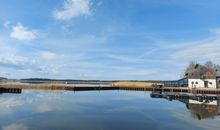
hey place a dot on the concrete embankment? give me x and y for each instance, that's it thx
(119, 86)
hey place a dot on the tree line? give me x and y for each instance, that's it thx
(196, 70)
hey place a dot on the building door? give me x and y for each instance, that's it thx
(206, 84)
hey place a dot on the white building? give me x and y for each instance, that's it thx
(200, 77)
(202, 83)
(193, 83)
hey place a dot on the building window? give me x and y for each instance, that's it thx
(210, 83)
(192, 82)
(196, 82)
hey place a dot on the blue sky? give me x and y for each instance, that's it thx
(106, 39)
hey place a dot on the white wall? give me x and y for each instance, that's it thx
(199, 83)
(213, 83)
(207, 103)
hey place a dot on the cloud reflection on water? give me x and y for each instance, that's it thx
(15, 126)
(94, 110)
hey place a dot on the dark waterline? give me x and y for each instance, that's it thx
(108, 110)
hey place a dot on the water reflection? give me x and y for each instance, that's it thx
(111, 110)
(200, 106)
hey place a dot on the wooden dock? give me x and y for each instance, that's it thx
(167, 89)
(90, 88)
(10, 90)
(188, 90)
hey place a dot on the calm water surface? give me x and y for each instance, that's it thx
(102, 110)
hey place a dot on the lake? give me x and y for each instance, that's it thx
(104, 110)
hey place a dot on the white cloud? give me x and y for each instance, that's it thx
(131, 59)
(215, 31)
(203, 50)
(25, 65)
(208, 50)
(13, 60)
(22, 63)
(50, 68)
(6, 24)
(48, 55)
(22, 33)
(72, 9)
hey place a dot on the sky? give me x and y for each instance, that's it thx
(107, 39)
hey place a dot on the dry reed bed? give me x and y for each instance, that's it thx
(133, 84)
(31, 86)
(64, 87)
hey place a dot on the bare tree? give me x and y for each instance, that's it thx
(195, 70)
(190, 68)
(210, 65)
